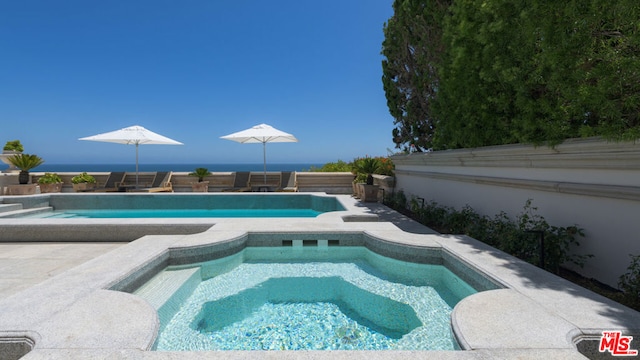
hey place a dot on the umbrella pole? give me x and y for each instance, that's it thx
(137, 165)
(264, 160)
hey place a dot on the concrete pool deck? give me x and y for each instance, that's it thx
(72, 315)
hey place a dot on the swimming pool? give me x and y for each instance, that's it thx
(174, 213)
(305, 298)
(186, 205)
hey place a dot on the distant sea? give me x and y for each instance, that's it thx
(170, 167)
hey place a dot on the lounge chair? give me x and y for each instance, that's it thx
(111, 184)
(161, 183)
(132, 181)
(240, 183)
(288, 182)
(259, 181)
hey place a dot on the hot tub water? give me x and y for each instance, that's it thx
(339, 298)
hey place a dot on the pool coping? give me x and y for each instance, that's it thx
(537, 315)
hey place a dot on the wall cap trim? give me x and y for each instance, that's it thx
(631, 193)
(589, 153)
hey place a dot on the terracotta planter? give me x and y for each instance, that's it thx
(84, 186)
(369, 193)
(202, 186)
(359, 190)
(356, 190)
(28, 189)
(50, 188)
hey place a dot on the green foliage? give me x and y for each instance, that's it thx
(360, 178)
(25, 162)
(629, 283)
(396, 200)
(83, 178)
(386, 166)
(50, 178)
(200, 173)
(411, 47)
(362, 168)
(503, 71)
(339, 166)
(13, 145)
(558, 241)
(474, 106)
(368, 166)
(510, 236)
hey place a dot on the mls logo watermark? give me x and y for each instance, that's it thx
(616, 344)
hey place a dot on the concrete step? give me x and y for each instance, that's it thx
(9, 207)
(25, 212)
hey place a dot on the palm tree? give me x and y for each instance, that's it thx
(25, 162)
(367, 166)
(200, 173)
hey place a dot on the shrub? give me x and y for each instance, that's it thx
(83, 178)
(629, 283)
(49, 178)
(396, 200)
(510, 236)
(339, 166)
(384, 166)
(14, 145)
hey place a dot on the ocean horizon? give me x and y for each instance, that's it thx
(171, 167)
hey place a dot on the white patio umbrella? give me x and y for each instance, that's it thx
(262, 133)
(133, 135)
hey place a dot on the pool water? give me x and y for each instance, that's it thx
(187, 205)
(311, 298)
(179, 213)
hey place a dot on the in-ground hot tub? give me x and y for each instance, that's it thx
(314, 297)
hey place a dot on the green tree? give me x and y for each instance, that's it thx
(485, 54)
(412, 48)
(504, 71)
(583, 77)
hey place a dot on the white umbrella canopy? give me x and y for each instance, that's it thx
(133, 135)
(262, 133)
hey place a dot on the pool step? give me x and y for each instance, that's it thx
(168, 290)
(9, 207)
(159, 290)
(20, 212)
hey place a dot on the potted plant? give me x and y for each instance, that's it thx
(83, 182)
(25, 162)
(365, 168)
(11, 148)
(201, 185)
(50, 183)
(358, 179)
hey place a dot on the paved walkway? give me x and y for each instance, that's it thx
(404, 223)
(23, 265)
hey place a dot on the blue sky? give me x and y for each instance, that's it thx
(194, 71)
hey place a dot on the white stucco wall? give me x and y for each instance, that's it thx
(591, 183)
